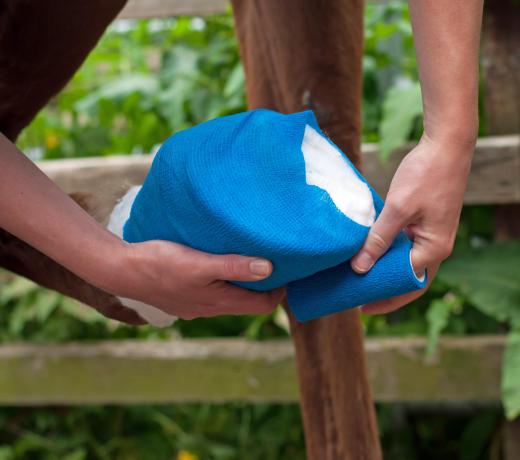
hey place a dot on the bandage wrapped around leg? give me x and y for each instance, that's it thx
(265, 184)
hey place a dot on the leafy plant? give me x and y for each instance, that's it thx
(401, 109)
(489, 278)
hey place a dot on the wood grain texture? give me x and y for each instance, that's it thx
(495, 175)
(463, 370)
(501, 66)
(512, 440)
(139, 9)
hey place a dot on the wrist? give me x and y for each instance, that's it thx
(105, 266)
(459, 128)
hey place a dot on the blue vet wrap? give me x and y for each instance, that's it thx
(237, 184)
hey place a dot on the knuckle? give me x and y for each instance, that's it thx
(232, 266)
(376, 243)
(444, 249)
(397, 207)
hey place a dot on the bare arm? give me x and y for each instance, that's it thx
(177, 279)
(427, 191)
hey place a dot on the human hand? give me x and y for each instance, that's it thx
(188, 283)
(425, 198)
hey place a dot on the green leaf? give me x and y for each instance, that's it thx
(511, 376)
(119, 88)
(17, 288)
(402, 106)
(46, 302)
(438, 315)
(6, 453)
(77, 454)
(236, 81)
(488, 277)
(475, 438)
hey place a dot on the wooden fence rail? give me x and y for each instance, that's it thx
(495, 174)
(465, 369)
(143, 9)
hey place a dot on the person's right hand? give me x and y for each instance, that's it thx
(188, 283)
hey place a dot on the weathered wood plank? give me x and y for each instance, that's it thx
(494, 178)
(140, 9)
(495, 175)
(501, 66)
(465, 369)
(511, 440)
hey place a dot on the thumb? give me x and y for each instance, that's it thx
(233, 267)
(379, 239)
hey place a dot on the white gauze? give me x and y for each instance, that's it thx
(118, 217)
(326, 168)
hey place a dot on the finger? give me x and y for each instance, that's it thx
(380, 237)
(233, 267)
(233, 300)
(421, 258)
(389, 305)
(430, 253)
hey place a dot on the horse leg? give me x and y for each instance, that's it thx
(299, 55)
(42, 44)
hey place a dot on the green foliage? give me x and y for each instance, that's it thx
(488, 277)
(438, 316)
(511, 376)
(388, 59)
(145, 80)
(401, 109)
(226, 432)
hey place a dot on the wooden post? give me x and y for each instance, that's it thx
(299, 55)
(501, 66)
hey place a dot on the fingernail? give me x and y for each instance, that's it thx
(363, 262)
(260, 267)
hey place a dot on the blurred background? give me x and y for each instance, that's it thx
(149, 78)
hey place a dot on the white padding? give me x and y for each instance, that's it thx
(118, 217)
(326, 168)
(121, 211)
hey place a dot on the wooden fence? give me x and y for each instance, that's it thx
(119, 372)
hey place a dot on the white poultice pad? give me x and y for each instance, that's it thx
(326, 168)
(118, 217)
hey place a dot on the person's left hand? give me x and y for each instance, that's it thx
(425, 198)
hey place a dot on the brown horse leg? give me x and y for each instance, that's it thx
(297, 55)
(41, 46)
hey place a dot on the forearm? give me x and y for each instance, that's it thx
(35, 210)
(446, 36)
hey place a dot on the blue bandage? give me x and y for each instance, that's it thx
(242, 184)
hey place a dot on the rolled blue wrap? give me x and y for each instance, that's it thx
(237, 184)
